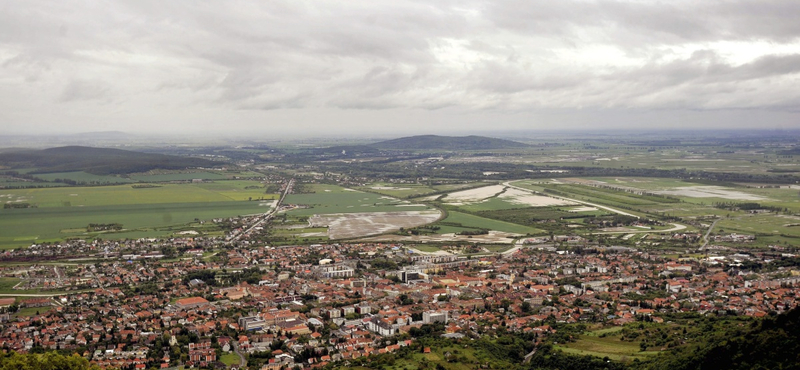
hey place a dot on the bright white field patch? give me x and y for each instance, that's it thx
(354, 225)
(710, 192)
(388, 188)
(474, 195)
(510, 195)
(518, 196)
(582, 209)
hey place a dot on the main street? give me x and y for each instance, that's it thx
(266, 216)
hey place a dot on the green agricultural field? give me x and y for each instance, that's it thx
(155, 211)
(709, 158)
(695, 199)
(410, 191)
(233, 173)
(532, 185)
(613, 195)
(398, 190)
(525, 216)
(447, 229)
(238, 189)
(703, 194)
(698, 200)
(492, 204)
(644, 183)
(777, 225)
(20, 227)
(327, 199)
(453, 187)
(129, 194)
(476, 222)
(785, 196)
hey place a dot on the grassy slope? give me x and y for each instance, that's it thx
(774, 343)
(611, 347)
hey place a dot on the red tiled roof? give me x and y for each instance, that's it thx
(191, 301)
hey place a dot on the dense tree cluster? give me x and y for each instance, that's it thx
(46, 361)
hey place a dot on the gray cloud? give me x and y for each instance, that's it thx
(86, 90)
(257, 63)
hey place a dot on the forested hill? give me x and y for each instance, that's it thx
(770, 343)
(50, 360)
(434, 142)
(774, 343)
(99, 161)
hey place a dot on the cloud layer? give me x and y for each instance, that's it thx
(315, 65)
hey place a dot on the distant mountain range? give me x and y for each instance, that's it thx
(98, 161)
(434, 142)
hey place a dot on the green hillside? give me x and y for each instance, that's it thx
(772, 343)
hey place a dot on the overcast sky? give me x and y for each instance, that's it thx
(409, 67)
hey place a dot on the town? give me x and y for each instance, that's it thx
(195, 301)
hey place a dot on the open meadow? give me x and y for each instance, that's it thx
(611, 347)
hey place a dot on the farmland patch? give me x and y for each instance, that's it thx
(353, 225)
(473, 195)
(710, 192)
